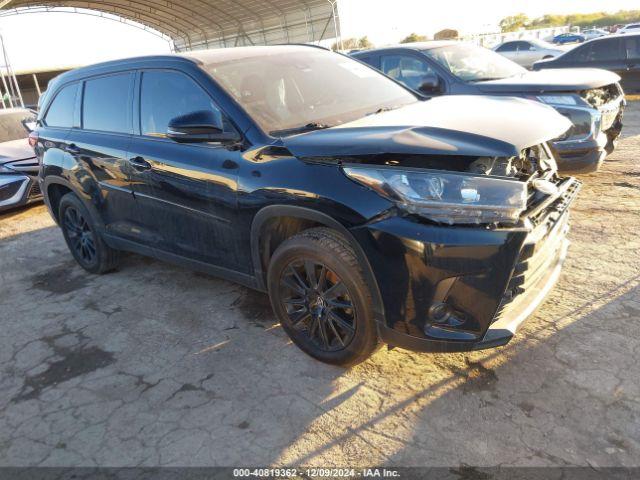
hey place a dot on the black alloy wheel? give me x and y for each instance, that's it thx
(318, 304)
(321, 298)
(81, 238)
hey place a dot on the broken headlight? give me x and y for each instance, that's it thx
(585, 119)
(447, 197)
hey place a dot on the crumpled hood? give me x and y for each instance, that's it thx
(449, 125)
(551, 80)
(15, 150)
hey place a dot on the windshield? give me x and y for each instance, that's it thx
(11, 127)
(474, 64)
(310, 87)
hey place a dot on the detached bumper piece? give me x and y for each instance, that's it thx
(532, 272)
(18, 190)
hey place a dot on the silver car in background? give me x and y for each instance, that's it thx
(528, 51)
(592, 33)
(18, 162)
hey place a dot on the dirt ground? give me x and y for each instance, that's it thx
(156, 365)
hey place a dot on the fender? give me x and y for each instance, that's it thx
(303, 213)
(83, 196)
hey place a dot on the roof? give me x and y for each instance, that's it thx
(195, 24)
(416, 46)
(205, 57)
(220, 55)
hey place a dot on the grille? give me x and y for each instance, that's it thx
(543, 248)
(538, 212)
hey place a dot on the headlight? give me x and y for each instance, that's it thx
(585, 119)
(586, 122)
(446, 196)
(558, 99)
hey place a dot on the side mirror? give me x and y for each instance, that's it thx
(430, 84)
(29, 124)
(199, 127)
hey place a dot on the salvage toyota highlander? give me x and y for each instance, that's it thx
(368, 215)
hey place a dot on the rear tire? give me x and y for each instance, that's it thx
(82, 237)
(318, 292)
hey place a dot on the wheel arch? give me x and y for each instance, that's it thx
(54, 188)
(270, 218)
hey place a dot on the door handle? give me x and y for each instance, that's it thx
(139, 163)
(72, 148)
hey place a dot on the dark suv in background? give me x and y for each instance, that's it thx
(616, 53)
(367, 214)
(591, 99)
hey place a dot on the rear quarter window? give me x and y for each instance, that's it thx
(61, 111)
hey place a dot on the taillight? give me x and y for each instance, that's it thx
(33, 138)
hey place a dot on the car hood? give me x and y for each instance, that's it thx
(450, 125)
(551, 80)
(15, 150)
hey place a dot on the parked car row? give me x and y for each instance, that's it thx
(369, 212)
(18, 164)
(526, 52)
(617, 53)
(591, 99)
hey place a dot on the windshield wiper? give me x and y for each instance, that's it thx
(309, 127)
(381, 110)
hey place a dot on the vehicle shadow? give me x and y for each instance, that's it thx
(193, 370)
(563, 394)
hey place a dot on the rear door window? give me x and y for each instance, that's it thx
(605, 50)
(61, 112)
(632, 47)
(107, 104)
(508, 47)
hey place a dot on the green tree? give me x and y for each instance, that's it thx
(514, 22)
(365, 42)
(413, 37)
(353, 44)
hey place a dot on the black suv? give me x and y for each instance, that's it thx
(367, 214)
(592, 99)
(617, 53)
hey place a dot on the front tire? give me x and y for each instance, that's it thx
(318, 292)
(82, 237)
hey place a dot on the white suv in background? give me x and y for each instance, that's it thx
(631, 28)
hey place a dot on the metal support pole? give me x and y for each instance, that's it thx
(14, 87)
(335, 23)
(35, 80)
(6, 89)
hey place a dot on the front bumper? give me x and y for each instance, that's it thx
(454, 289)
(587, 155)
(17, 190)
(580, 157)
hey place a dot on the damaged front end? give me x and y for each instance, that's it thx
(470, 253)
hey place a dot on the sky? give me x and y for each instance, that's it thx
(387, 22)
(52, 39)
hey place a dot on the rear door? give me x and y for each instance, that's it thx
(631, 74)
(100, 146)
(186, 193)
(607, 53)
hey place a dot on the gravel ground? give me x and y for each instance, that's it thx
(156, 365)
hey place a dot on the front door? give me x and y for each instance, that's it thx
(186, 193)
